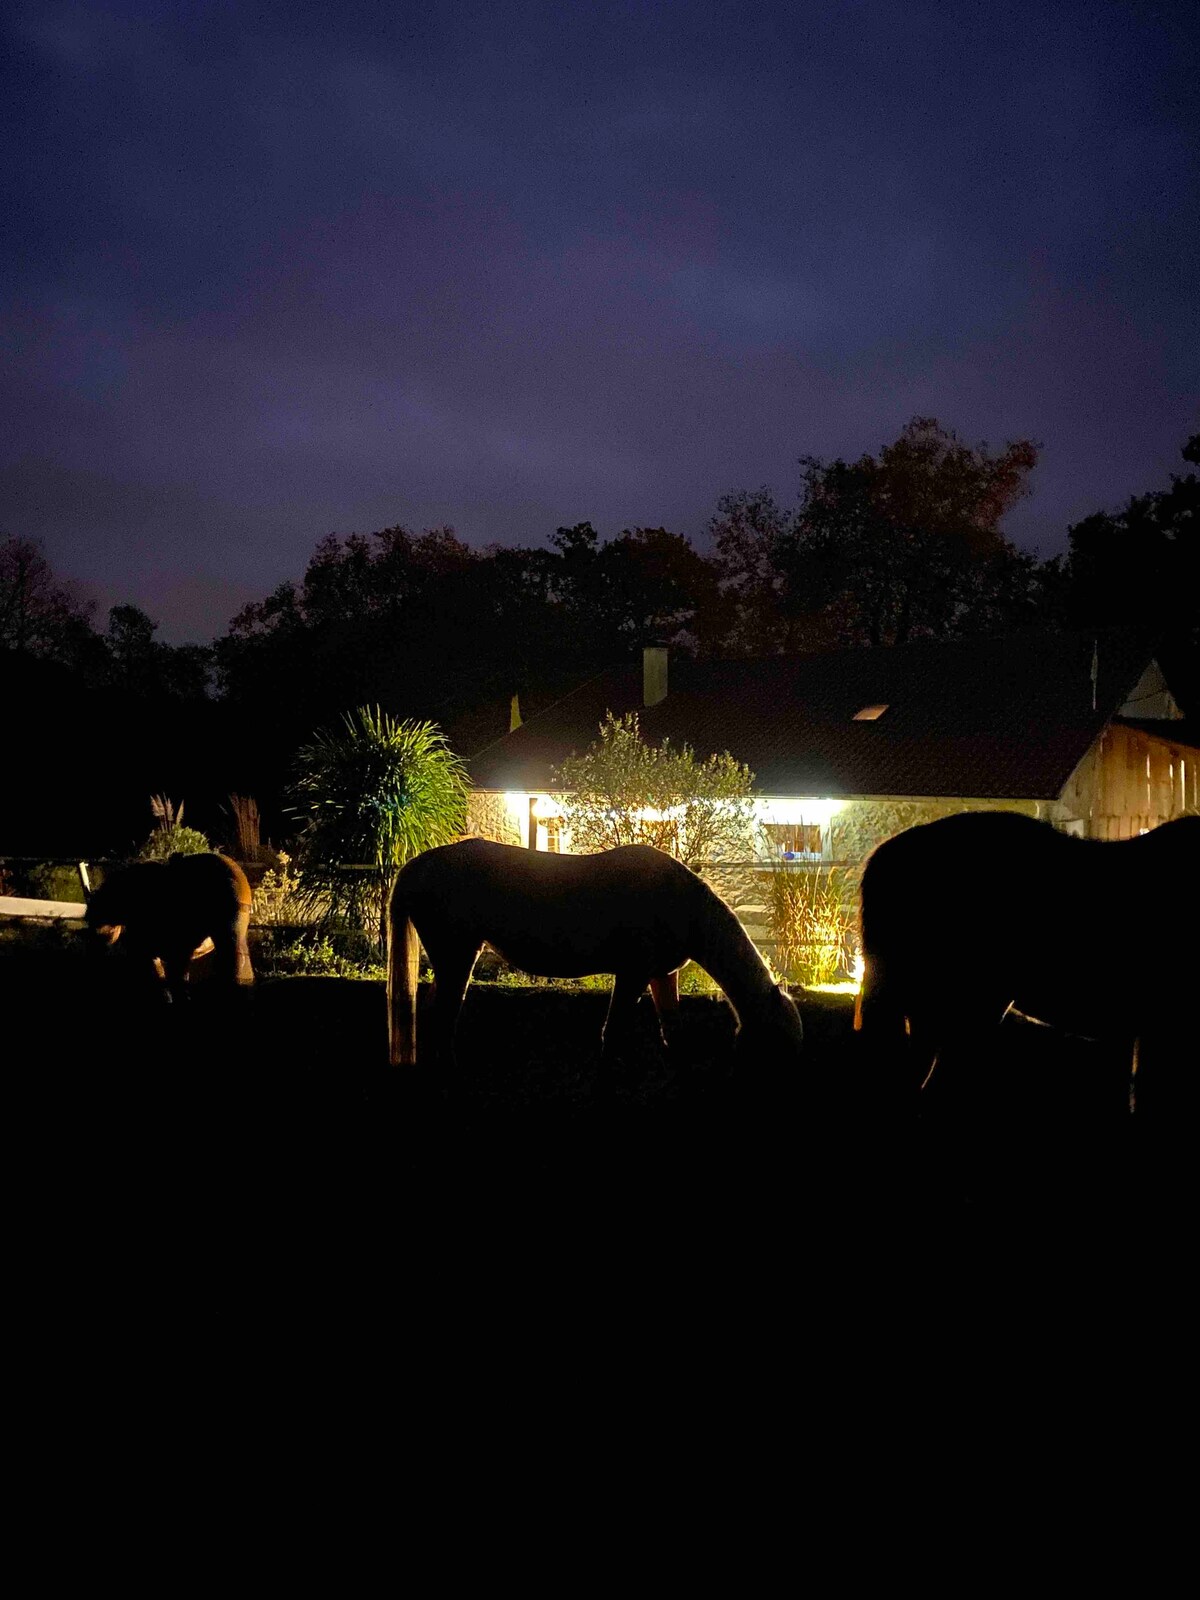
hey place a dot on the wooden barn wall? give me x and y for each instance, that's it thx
(1130, 781)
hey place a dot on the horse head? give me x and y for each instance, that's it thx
(121, 899)
(773, 1035)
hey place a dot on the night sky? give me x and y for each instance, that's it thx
(274, 271)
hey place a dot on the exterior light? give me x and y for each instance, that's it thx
(818, 812)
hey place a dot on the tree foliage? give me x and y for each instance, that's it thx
(39, 616)
(1140, 566)
(625, 791)
(434, 630)
(139, 664)
(371, 795)
(647, 584)
(772, 610)
(881, 550)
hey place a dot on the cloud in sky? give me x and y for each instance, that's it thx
(288, 270)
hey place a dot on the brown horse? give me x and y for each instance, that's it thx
(163, 912)
(974, 915)
(633, 911)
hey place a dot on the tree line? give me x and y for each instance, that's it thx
(904, 545)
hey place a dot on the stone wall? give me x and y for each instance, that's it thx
(488, 817)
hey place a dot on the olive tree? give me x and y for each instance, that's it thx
(625, 791)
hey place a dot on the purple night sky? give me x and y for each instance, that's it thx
(279, 270)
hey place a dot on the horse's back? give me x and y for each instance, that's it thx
(1002, 905)
(480, 865)
(557, 914)
(914, 881)
(211, 880)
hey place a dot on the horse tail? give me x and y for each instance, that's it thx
(404, 957)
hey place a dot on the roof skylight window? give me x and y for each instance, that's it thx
(869, 713)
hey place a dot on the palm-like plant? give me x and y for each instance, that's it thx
(373, 794)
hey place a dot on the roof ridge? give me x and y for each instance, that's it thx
(546, 710)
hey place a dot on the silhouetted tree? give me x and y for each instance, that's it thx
(646, 584)
(39, 616)
(1140, 568)
(139, 664)
(773, 604)
(881, 550)
(437, 631)
(656, 588)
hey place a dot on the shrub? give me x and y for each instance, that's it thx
(319, 955)
(278, 899)
(170, 837)
(164, 842)
(812, 926)
(52, 880)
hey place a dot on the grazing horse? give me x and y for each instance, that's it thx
(634, 911)
(968, 917)
(163, 912)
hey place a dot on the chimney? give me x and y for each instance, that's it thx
(654, 674)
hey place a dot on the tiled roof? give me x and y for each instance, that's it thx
(1005, 718)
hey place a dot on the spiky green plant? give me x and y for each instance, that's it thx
(372, 795)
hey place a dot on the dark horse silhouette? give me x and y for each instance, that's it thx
(633, 911)
(968, 917)
(163, 912)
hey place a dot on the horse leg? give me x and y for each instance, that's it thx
(174, 970)
(451, 974)
(244, 972)
(958, 1054)
(666, 1002)
(231, 952)
(1162, 1084)
(626, 992)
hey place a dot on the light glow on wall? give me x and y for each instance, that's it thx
(816, 812)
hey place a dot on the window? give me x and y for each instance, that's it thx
(794, 841)
(869, 714)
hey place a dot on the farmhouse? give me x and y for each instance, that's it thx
(849, 747)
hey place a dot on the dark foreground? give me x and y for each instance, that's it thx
(219, 1203)
(239, 1239)
(270, 1125)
